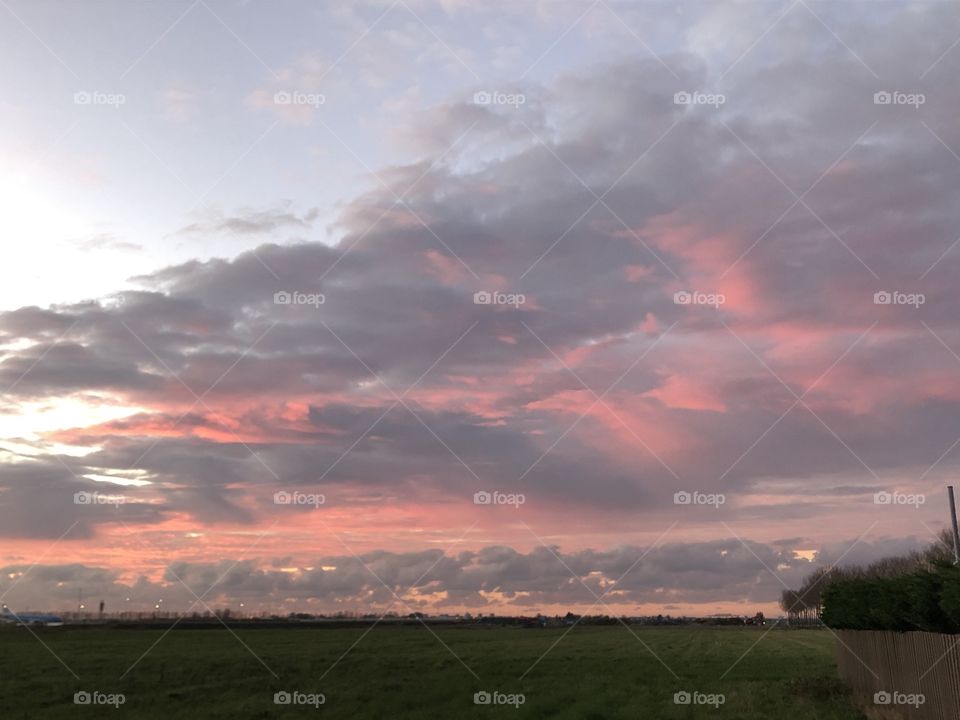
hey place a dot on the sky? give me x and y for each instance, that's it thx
(441, 306)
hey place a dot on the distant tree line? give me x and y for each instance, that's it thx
(918, 591)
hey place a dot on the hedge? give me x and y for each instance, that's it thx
(924, 600)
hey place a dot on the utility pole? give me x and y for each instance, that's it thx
(956, 531)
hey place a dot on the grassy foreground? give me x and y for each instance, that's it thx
(594, 673)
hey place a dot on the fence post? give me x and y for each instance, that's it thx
(956, 531)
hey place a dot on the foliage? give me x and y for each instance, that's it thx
(925, 599)
(918, 591)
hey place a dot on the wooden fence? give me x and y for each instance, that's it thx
(889, 671)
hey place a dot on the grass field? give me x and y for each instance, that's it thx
(592, 673)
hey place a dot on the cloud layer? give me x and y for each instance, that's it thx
(750, 298)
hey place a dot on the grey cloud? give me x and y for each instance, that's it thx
(250, 221)
(690, 573)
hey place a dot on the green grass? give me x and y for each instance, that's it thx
(594, 673)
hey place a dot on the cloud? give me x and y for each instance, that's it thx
(250, 222)
(600, 395)
(106, 241)
(178, 104)
(544, 579)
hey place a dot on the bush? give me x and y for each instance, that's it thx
(923, 600)
(950, 597)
